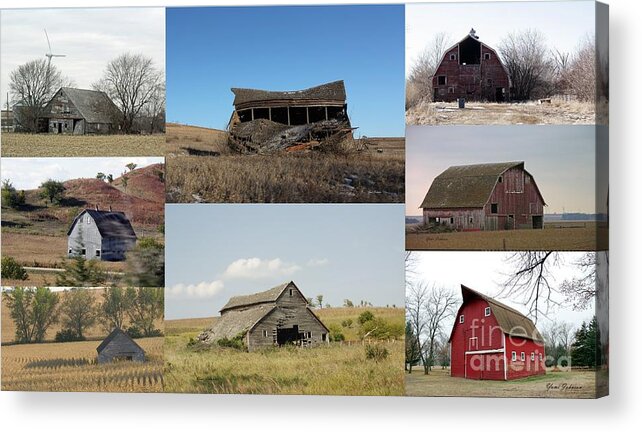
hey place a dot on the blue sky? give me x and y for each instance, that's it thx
(210, 50)
(560, 158)
(342, 251)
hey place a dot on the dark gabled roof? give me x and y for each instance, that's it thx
(511, 321)
(465, 186)
(334, 91)
(111, 337)
(269, 296)
(94, 106)
(109, 223)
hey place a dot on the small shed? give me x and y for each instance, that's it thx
(490, 196)
(472, 70)
(276, 317)
(492, 341)
(79, 111)
(119, 346)
(101, 235)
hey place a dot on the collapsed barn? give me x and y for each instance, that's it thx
(491, 196)
(267, 121)
(472, 70)
(276, 317)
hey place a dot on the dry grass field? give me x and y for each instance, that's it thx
(51, 145)
(481, 113)
(335, 369)
(72, 366)
(567, 385)
(575, 236)
(200, 168)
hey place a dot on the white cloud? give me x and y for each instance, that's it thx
(257, 268)
(318, 262)
(200, 290)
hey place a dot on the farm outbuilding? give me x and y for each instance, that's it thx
(472, 70)
(101, 235)
(491, 196)
(492, 341)
(276, 317)
(79, 111)
(119, 346)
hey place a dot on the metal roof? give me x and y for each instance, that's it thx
(109, 223)
(94, 106)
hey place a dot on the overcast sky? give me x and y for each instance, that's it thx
(485, 272)
(89, 38)
(563, 24)
(29, 173)
(343, 251)
(560, 158)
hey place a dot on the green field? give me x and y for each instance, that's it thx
(334, 369)
(50, 145)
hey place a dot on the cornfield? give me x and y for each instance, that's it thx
(72, 366)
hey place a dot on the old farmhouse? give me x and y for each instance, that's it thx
(101, 235)
(491, 341)
(275, 317)
(472, 70)
(492, 196)
(79, 112)
(119, 346)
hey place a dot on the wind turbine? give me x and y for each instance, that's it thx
(49, 56)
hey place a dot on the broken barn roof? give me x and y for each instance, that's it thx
(511, 321)
(117, 331)
(236, 322)
(109, 223)
(269, 296)
(94, 106)
(465, 186)
(334, 91)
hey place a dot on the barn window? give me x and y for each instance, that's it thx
(500, 179)
(451, 89)
(83, 251)
(461, 319)
(453, 56)
(98, 126)
(532, 356)
(441, 80)
(470, 220)
(265, 333)
(98, 253)
(486, 56)
(69, 250)
(540, 356)
(323, 337)
(522, 356)
(493, 208)
(88, 220)
(513, 356)
(452, 220)
(291, 291)
(487, 311)
(309, 335)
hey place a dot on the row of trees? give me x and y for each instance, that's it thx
(35, 310)
(132, 81)
(51, 190)
(536, 70)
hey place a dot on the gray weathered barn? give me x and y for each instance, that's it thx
(275, 317)
(79, 111)
(119, 346)
(102, 235)
(491, 196)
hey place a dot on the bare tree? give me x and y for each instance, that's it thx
(132, 82)
(32, 85)
(526, 56)
(411, 263)
(581, 290)
(419, 82)
(582, 71)
(153, 113)
(427, 310)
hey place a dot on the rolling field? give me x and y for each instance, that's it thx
(201, 168)
(570, 384)
(334, 369)
(72, 366)
(579, 236)
(480, 113)
(52, 145)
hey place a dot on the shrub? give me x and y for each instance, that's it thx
(365, 317)
(335, 334)
(134, 332)
(236, 342)
(346, 323)
(12, 270)
(379, 328)
(376, 352)
(68, 335)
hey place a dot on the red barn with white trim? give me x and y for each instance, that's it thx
(491, 341)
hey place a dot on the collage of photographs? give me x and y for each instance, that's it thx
(362, 200)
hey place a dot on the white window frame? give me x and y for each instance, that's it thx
(532, 356)
(486, 56)
(487, 311)
(265, 333)
(453, 56)
(461, 319)
(522, 356)
(513, 356)
(540, 356)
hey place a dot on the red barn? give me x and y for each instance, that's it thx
(492, 196)
(471, 69)
(492, 341)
